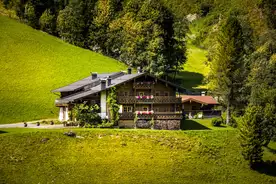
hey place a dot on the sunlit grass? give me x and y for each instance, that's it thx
(33, 63)
(125, 156)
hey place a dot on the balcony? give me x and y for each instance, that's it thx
(154, 99)
(143, 85)
(156, 116)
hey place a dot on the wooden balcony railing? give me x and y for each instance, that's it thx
(127, 116)
(155, 99)
(156, 116)
(143, 85)
(166, 99)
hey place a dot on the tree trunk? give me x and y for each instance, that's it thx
(228, 114)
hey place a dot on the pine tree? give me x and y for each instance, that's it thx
(225, 77)
(251, 136)
(47, 22)
(71, 24)
(30, 15)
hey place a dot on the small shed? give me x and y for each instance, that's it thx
(205, 105)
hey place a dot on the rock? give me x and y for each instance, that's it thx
(70, 134)
(44, 140)
(79, 137)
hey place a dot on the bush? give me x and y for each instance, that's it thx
(47, 22)
(217, 122)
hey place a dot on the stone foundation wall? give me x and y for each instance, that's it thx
(143, 124)
(159, 124)
(167, 124)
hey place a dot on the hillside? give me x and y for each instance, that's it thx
(127, 156)
(33, 63)
(195, 69)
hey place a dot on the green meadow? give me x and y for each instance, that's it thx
(33, 63)
(128, 156)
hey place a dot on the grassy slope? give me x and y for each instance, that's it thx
(125, 156)
(195, 68)
(32, 64)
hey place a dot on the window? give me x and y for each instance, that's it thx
(166, 93)
(157, 93)
(156, 109)
(127, 108)
(125, 93)
(145, 108)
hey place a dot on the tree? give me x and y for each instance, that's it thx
(47, 22)
(262, 83)
(225, 77)
(71, 24)
(250, 135)
(85, 113)
(30, 15)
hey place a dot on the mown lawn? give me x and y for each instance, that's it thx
(33, 63)
(126, 156)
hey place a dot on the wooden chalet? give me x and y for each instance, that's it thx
(138, 94)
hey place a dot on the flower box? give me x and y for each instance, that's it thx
(144, 97)
(144, 112)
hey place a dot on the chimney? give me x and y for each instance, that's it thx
(103, 84)
(129, 70)
(94, 75)
(139, 69)
(109, 81)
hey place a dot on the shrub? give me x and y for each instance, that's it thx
(217, 122)
(47, 22)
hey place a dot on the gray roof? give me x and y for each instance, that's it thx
(87, 86)
(97, 88)
(86, 81)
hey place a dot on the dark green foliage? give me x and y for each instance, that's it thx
(71, 24)
(217, 121)
(268, 8)
(251, 136)
(262, 83)
(47, 22)
(30, 15)
(86, 114)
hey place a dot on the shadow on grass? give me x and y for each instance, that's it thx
(189, 80)
(267, 167)
(271, 150)
(2, 132)
(192, 125)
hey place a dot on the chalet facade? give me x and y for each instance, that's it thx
(140, 96)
